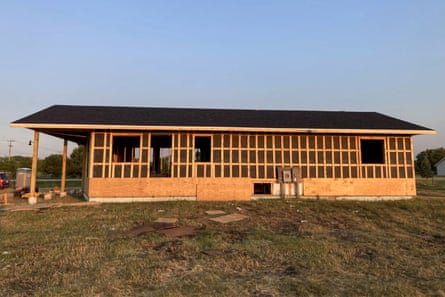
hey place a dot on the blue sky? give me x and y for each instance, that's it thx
(385, 56)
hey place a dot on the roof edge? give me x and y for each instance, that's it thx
(239, 129)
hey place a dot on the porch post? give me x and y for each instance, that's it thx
(63, 181)
(35, 154)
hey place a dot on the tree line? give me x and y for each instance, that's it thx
(426, 161)
(49, 167)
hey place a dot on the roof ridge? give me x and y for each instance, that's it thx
(207, 108)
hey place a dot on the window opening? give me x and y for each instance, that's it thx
(202, 149)
(261, 189)
(160, 155)
(126, 148)
(372, 151)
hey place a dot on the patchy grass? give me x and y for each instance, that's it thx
(431, 186)
(283, 248)
(49, 183)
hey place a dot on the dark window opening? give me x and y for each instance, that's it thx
(160, 156)
(372, 151)
(261, 189)
(202, 149)
(126, 148)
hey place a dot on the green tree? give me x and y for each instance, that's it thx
(425, 169)
(52, 165)
(10, 165)
(75, 162)
(433, 156)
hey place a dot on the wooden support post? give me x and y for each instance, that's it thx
(65, 151)
(85, 170)
(35, 155)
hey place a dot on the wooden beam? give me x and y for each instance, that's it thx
(64, 157)
(35, 155)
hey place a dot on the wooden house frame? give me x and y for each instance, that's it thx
(148, 154)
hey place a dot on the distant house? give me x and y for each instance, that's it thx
(140, 154)
(440, 166)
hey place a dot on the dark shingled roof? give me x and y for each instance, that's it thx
(192, 117)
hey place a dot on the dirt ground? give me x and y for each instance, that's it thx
(64, 247)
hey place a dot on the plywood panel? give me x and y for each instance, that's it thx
(359, 187)
(202, 188)
(224, 189)
(141, 187)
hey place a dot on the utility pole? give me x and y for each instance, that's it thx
(10, 147)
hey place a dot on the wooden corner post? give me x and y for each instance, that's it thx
(35, 155)
(65, 152)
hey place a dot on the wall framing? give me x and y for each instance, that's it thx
(258, 155)
(330, 164)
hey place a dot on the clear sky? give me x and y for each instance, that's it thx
(384, 56)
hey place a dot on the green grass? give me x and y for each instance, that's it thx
(51, 183)
(56, 183)
(283, 248)
(431, 186)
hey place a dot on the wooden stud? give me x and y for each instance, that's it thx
(187, 157)
(405, 163)
(299, 153)
(348, 150)
(107, 147)
(274, 163)
(397, 157)
(316, 155)
(91, 157)
(212, 165)
(257, 167)
(340, 152)
(325, 173)
(230, 155)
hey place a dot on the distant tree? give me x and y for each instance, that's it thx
(433, 156)
(425, 169)
(10, 165)
(52, 165)
(23, 162)
(75, 162)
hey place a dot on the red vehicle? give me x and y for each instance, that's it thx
(4, 180)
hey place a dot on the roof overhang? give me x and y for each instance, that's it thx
(78, 131)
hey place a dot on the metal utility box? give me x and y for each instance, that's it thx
(23, 178)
